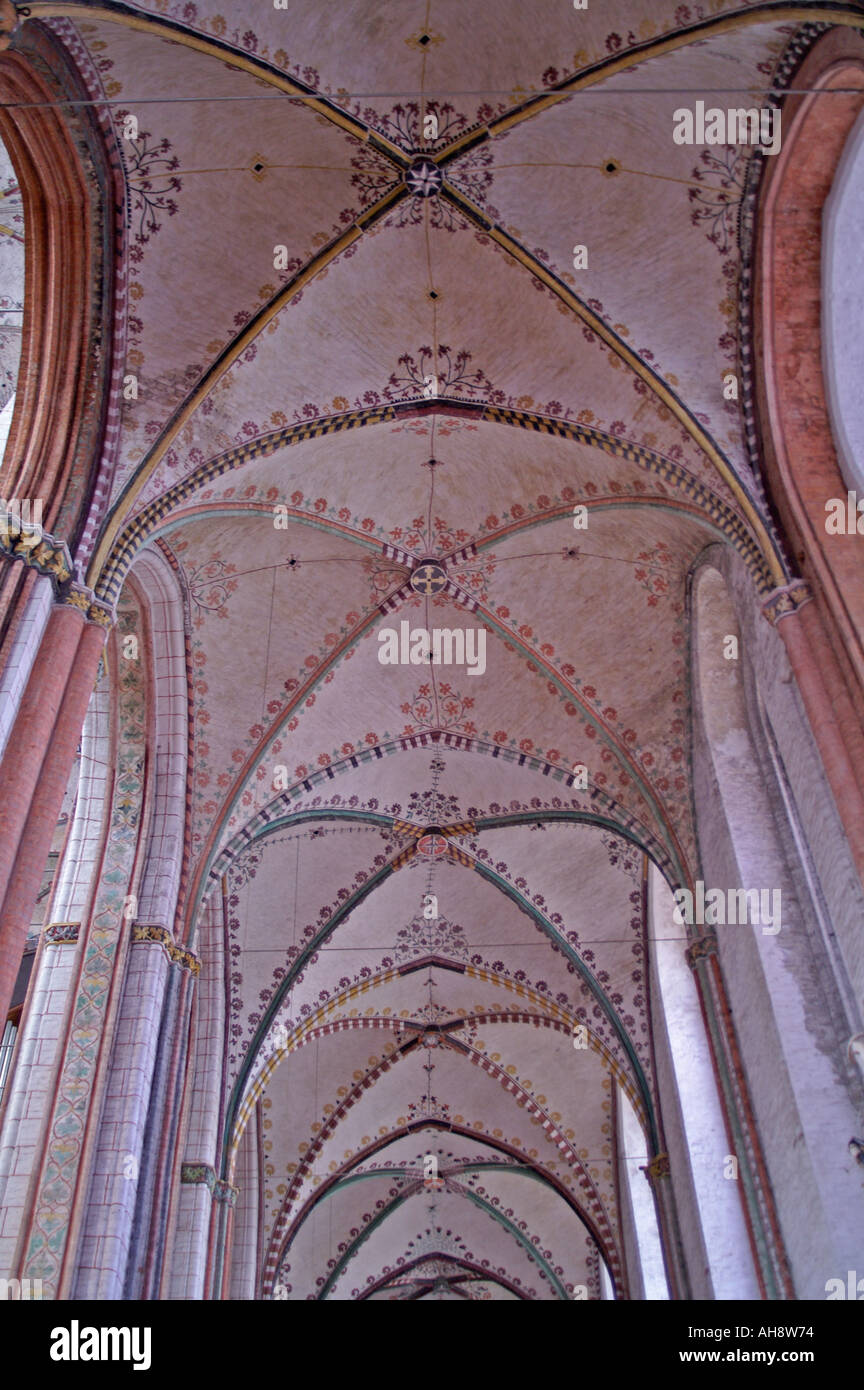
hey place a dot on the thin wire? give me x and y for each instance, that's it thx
(528, 96)
(540, 941)
(244, 169)
(594, 555)
(285, 564)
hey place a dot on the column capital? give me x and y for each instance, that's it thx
(780, 603)
(27, 543)
(701, 947)
(196, 1174)
(657, 1168)
(62, 933)
(152, 932)
(94, 610)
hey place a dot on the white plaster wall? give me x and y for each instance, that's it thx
(702, 1140)
(843, 308)
(698, 1280)
(22, 653)
(6, 422)
(632, 1148)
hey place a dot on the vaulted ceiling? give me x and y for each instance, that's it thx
(302, 268)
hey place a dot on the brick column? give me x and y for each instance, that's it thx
(35, 771)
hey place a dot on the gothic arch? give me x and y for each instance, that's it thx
(800, 453)
(69, 197)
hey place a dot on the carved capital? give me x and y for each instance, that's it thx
(161, 936)
(25, 541)
(62, 933)
(658, 1168)
(198, 1174)
(204, 1175)
(700, 948)
(781, 602)
(100, 613)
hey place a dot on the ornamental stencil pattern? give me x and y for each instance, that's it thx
(151, 180)
(721, 176)
(437, 937)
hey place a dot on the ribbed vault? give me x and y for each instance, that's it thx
(361, 345)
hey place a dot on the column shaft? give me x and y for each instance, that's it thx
(35, 772)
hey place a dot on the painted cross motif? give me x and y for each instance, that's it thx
(428, 579)
(432, 846)
(432, 841)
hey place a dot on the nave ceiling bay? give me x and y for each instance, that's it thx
(351, 1032)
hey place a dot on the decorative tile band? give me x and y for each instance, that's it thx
(789, 599)
(62, 934)
(161, 936)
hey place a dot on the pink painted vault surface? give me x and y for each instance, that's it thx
(287, 458)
